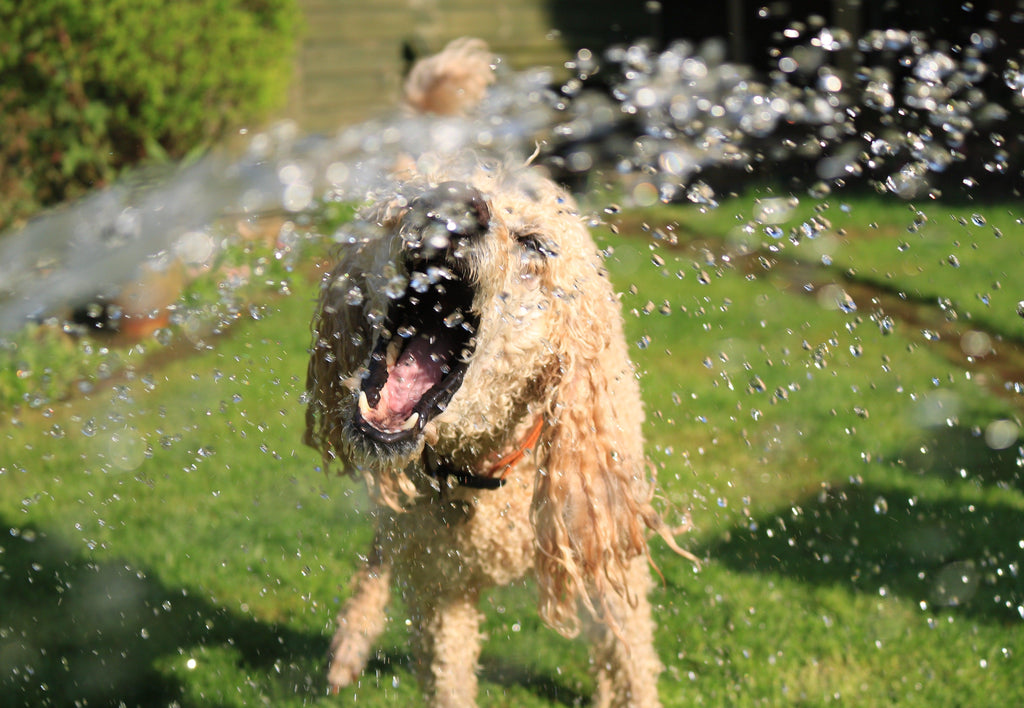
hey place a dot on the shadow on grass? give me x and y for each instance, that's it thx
(79, 632)
(547, 687)
(938, 548)
(493, 670)
(958, 454)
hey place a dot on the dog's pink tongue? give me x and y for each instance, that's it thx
(415, 373)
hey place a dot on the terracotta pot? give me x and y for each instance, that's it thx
(145, 302)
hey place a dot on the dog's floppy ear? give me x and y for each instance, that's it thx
(591, 505)
(341, 343)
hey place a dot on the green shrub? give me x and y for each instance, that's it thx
(88, 88)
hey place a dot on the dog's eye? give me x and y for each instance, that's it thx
(537, 244)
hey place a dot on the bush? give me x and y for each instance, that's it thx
(88, 88)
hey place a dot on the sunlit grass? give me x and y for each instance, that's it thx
(170, 539)
(962, 255)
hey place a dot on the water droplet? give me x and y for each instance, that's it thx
(420, 282)
(126, 449)
(976, 343)
(454, 319)
(354, 296)
(774, 210)
(396, 285)
(846, 303)
(701, 193)
(881, 506)
(1001, 434)
(163, 335)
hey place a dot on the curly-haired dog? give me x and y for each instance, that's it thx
(453, 81)
(469, 362)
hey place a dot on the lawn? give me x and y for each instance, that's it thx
(817, 404)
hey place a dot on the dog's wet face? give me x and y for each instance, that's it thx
(423, 350)
(462, 288)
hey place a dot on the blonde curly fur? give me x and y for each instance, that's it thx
(453, 81)
(574, 511)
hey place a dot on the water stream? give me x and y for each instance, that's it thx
(913, 119)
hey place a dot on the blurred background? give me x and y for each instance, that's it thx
(90, 91)
(353, 57)
(812, 211)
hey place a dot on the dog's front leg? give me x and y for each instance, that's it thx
(446, 645)
(362, 619)
(623, 658)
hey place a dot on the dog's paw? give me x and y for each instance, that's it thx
(340, 676)
(348, 659)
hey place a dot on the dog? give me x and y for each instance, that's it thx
(468, 361)
(452, 82)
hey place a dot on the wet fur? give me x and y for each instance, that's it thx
(574, 512)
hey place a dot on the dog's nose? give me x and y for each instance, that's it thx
(460, 207)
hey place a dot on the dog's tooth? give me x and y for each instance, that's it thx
(430, 434)
(364, 404)
(411, 423)
(394, 349)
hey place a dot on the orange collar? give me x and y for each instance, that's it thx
(501, 468)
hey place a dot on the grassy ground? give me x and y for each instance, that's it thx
(855, 486)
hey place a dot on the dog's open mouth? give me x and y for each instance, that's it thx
(421, 356)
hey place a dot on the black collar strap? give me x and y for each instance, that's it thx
(467, 479)
(442, 472)
(495, 478)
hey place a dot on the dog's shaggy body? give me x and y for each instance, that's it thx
(548, 354)
(469, 362)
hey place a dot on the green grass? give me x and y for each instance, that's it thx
(964, 255)
(171, 542)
